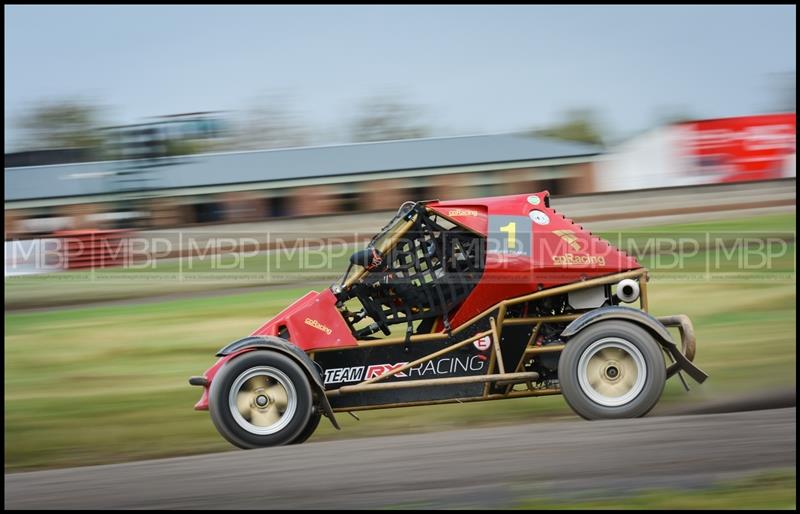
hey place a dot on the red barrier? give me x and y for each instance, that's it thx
(93, 248)
(743, 148)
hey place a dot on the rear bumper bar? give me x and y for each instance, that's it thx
(688, 346)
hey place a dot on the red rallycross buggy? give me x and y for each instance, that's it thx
(494, 298)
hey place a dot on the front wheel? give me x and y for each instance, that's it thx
(259, 399)
(612, 369)
(311, 426)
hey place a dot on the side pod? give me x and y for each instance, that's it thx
(683, 360)
(292, 351)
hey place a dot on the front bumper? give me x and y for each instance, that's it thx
(198, 381)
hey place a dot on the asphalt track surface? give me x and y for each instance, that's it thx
(478, 468)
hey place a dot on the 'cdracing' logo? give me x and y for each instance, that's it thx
(319, 326)
(569, 259)
(462, 212)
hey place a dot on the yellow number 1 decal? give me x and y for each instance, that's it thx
(511, 230)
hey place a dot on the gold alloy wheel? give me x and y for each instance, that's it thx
(262, 400)
(612, 372)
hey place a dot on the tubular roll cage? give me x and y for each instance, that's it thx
(421, 277)
(497, 375)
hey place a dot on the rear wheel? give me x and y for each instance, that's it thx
(612, 369)
(260, 398)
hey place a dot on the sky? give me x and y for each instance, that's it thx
(472, 69)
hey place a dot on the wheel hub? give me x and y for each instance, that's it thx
(612, 372)
(262, 400)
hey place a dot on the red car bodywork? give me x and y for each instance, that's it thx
(558, 252)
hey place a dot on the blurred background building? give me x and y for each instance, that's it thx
(163, 174)
(157, 190)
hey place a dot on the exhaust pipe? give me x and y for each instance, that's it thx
(628, 290)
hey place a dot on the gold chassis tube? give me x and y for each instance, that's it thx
(531, 341)
(512, 394)
(425, 358)
(495, 330)
(545, 349)
(385, 246)
(542, 319)
(643, 291)
(608, 279)
(496, 344)
(360, 388)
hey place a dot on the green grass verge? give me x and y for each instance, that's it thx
(108, 384)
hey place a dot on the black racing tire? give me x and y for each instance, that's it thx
(267, 370)
(612, 370)
(311, 426)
